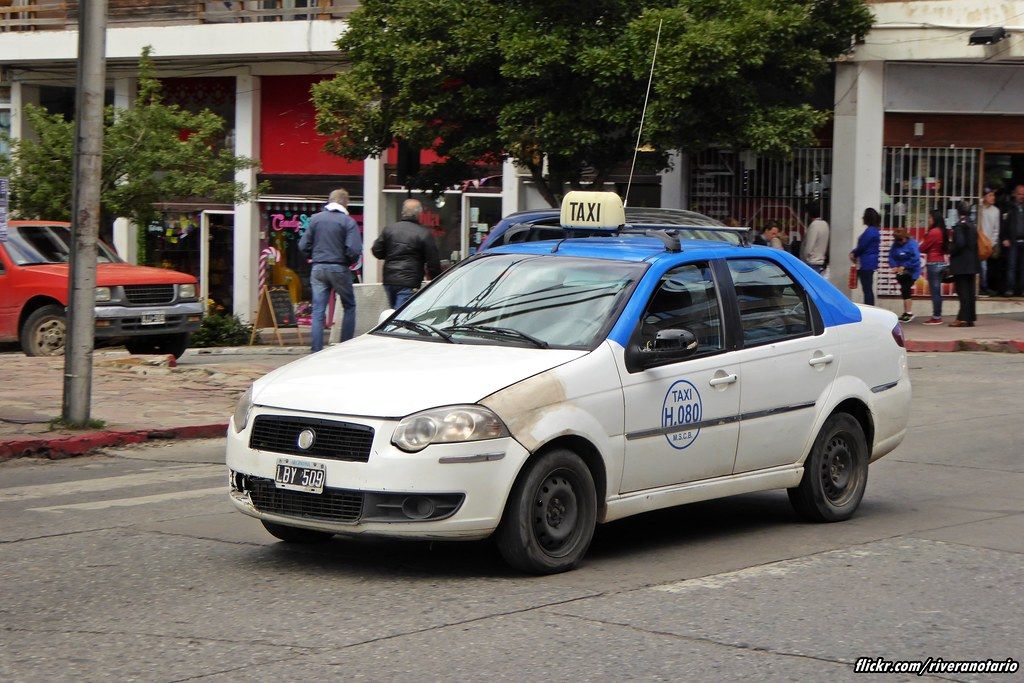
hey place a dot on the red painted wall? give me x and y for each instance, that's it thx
(289, 143)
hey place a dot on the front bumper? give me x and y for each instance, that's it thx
(126, 321)
(480, 474)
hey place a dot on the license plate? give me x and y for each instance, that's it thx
(153, 319)
(300, 475)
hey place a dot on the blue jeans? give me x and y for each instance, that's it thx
(326, 278)
(867, 283)
(935, 287)
(1015, 268)
(397, 295)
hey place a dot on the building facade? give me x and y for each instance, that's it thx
(923, 118)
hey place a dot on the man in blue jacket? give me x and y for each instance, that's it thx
(332, 241)
(865, 254)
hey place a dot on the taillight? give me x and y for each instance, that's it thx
(897, 335)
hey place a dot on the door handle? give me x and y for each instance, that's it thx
(821, 360)
(724, 379)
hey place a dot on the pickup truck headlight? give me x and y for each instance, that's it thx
(186, 291)
(102, 295)
(242, 410)
(452, 424)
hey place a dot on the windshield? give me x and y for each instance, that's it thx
(29, 245)
(519, 300)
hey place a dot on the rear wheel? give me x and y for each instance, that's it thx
(291, 534)
(835, 474)
(45, 332)
(173, 344)
(550, 515)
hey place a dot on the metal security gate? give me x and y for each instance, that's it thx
(918, 180)
(754, 189)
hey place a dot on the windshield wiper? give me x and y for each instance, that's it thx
(502, 331)
(423, 328)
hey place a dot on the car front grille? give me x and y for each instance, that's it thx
(332, 440)
(336, 505)
(144, 295)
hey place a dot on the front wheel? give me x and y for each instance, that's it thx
(550, 515)
(835, 474)
(292, 534)
(45, 332)
(173, 344)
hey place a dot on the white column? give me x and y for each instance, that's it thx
(373, 215)
(510, 189)
(247, 217)
(22, 94)
(126, 232)
(856, 158)
(674, 182)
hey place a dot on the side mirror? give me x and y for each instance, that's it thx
(384, 315)
(669, 346)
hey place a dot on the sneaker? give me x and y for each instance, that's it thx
(959, 323)
(933, 321)
(906, 317)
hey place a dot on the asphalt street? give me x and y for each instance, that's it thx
(131, 565)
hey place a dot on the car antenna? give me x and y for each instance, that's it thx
(643, 115)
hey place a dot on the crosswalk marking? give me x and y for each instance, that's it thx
(138, 500)
(162, 476)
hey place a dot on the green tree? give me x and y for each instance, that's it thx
(564, 80)
(153, 152)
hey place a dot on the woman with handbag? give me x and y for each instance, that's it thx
(865, 254)
(963, 263)
(905, 260)
(934, 250)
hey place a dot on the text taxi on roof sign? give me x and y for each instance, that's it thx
(540, 388)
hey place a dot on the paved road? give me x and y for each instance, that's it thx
(131, 565)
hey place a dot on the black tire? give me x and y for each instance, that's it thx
(556, 489)
(292, 534)
(44, 332)
(835, 474)
(174, 344)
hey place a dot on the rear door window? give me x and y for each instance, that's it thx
(772, 306)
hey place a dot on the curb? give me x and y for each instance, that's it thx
(990, 345)
(71, 445)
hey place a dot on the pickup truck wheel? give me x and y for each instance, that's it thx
(835, 474)
(292, 534)
(174, 344)
(550, 515)
(45, 332)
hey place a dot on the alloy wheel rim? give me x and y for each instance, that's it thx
(556, 513)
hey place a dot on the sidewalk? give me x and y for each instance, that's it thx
(138, 397)
(990, 333)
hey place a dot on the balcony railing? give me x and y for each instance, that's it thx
(59, 15)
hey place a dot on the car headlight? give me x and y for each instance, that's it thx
(186, 291)
(242, 410)
(102, 295)
(452, 424)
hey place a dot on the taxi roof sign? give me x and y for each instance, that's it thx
(593, 210)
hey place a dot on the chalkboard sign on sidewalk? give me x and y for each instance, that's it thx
(275, 310)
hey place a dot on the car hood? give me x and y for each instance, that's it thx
(379, 376)
(110, 274)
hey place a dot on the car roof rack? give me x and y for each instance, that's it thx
(670, 235)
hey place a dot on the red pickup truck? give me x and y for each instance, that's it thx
(151, 309)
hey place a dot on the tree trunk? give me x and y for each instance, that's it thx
(542, 184)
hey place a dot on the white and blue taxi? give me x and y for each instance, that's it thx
(540, 388)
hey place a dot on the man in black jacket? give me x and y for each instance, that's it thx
(406, 248)
(964, 264)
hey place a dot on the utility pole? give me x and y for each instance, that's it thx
(85, 210)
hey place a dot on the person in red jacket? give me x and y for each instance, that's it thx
(934, 251)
